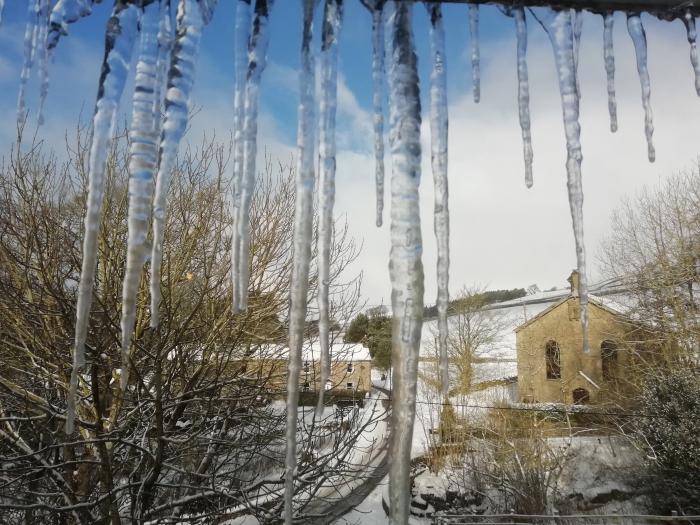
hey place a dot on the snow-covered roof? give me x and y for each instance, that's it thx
(311, 351)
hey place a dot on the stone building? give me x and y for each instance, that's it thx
(351, 367)
(552, 366)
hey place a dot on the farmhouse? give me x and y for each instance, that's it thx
(350, 367)
(552, 366)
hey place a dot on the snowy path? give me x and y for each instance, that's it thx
(344, 497)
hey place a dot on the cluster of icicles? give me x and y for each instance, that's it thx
(165, 72)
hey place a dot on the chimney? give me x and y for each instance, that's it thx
(574, 283)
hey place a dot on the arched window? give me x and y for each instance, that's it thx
(608, 356)
(580, 396)
(553, 360)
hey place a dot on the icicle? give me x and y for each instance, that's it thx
(474, 37)
(609, 56)
(143, 159)
(639, 39)
(119, 42)
(558, 26)
(405, 267)
(378, 93)
(165, 47)
(523, 91)
(303, 218)
(438, 146)
(43, 33)
(689, 22)
(30, 41)
(333, 17)
(241, 38)
(257, 59)
(66, 12)
(2, 8)
(191, 18)
(577, 24)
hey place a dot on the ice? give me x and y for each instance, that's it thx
(191, 18)
(333, 17)
(43, 51)
(377, 98)
(303, 219)
(257, 59)
(609, 56)
(405, 266)
(66, 12)
(577, 24)
(639, 39)
(30, 40)
(240, 63)
(474, 38)
(559, 27)
(2, 8)
(143, 160)
(119, 42)
(438, 156)
(523, 91)
(689, 22)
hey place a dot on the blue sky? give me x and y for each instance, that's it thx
(502, 234)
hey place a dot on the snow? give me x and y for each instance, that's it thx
(311, 351)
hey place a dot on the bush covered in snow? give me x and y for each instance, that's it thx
(671, 405)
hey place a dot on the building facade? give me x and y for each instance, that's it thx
(351, 367)
(552, 366)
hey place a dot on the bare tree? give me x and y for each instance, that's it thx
(191, 437)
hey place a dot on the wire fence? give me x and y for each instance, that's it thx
(560, 519)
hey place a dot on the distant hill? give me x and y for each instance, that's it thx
(485, 298)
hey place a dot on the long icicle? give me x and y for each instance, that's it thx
(689, 21)
(240, 61)
(44, 57)
(405, 266)
(476, 54)
(191, 18)
(165, 47)
(303, 219)
(523, 91)
(2, 9)
(257, 59)
(332, 22)
(438, 146)
(609, 57)
(639, 39)
(559, 27)
(377, 97)
(577, 26)
(119, 42)
(30, 39)
(143, 161)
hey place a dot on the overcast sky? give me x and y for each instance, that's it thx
(503, 235)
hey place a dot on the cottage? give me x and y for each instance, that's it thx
(351, 367)
(552, 366)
